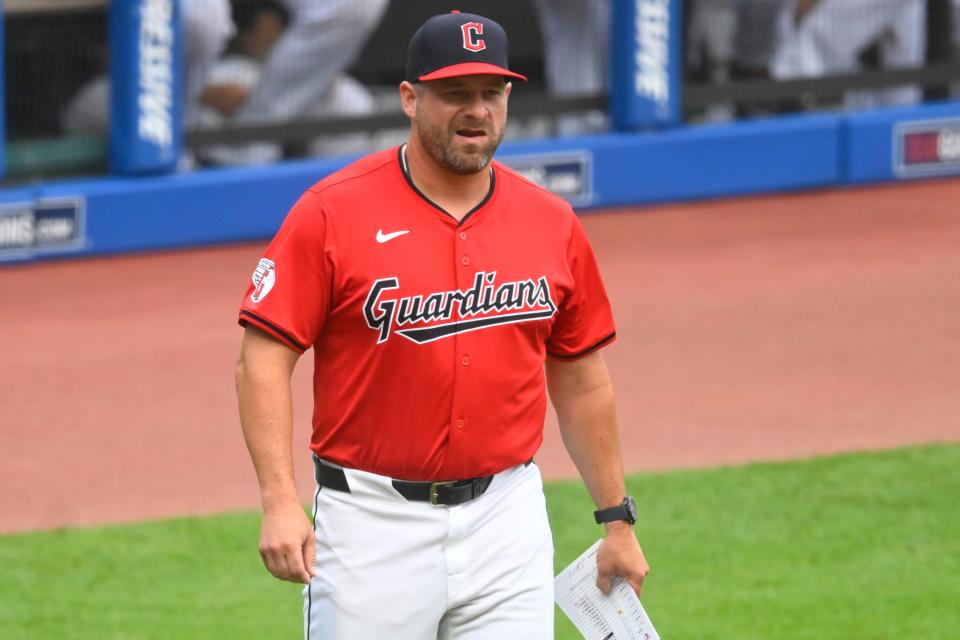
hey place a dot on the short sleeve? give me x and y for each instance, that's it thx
(289, 291)
(584, 318)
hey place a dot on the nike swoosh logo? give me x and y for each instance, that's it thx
(387, 237)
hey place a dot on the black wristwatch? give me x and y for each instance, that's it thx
(626, 510)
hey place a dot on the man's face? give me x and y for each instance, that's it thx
(460, 121)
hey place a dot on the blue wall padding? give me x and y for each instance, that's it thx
(18, 195)
(646, 63)
(229, 205)
(717, 160)
(870, 138)
(191, 209)
(705, 161)
(134, 52)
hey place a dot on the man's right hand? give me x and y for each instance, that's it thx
(287, 545)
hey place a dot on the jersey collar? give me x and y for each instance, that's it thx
(405, 168)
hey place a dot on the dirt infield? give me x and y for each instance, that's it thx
(760, 328)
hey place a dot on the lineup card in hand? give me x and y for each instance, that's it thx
(619, 616)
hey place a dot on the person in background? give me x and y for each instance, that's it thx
(87, 113)
(207, 27)
(576, 56)
(304, 75)
(756, 37)
(754, 46)
(955, 19)
(711, 36)
(731, 40)
(824, 37)
(260, 24)
(267, 41)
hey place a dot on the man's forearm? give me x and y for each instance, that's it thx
(266, 415)
(583, 397)
(582, 394)
(588, 425)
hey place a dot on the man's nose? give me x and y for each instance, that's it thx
(477, 107)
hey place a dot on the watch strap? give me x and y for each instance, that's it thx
(626, 510)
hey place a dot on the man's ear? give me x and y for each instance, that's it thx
(507, 88)
(408, 99)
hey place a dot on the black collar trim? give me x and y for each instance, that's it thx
(405, 168)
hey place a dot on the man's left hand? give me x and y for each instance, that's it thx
(620, 555)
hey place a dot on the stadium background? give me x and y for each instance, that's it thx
(784, 267)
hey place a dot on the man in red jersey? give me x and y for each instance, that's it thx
(442, 294)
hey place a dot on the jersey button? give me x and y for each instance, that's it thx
(463, 235)
(460, 423)
(465, 360)
(465, 261)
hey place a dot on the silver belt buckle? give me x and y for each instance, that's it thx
(435, 490)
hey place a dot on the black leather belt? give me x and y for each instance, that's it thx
(449, 492)
(330, 477)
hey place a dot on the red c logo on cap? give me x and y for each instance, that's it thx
(471, 36)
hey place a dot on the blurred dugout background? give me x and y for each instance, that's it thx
(275, 79)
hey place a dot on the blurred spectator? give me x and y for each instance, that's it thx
(956, 26)
(711, 35)
(207, 27)
(306, 58)
(259, 25)
(710, 39)
(88, 111)
(576, 54)
(575, 44)
(955, 17)
(731, 40)
(756, 37)
(305, 73)
(756, 43)
(823, 37)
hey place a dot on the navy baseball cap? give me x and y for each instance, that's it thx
(458, 44)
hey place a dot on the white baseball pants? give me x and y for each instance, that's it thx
(389, 568)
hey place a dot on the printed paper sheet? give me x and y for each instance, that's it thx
(619, 616)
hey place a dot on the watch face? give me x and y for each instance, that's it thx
(631, 508)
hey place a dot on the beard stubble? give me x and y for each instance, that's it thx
(438, 141)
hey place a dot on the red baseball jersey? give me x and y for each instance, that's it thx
(429, 335)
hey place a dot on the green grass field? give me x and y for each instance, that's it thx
(855, 547)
